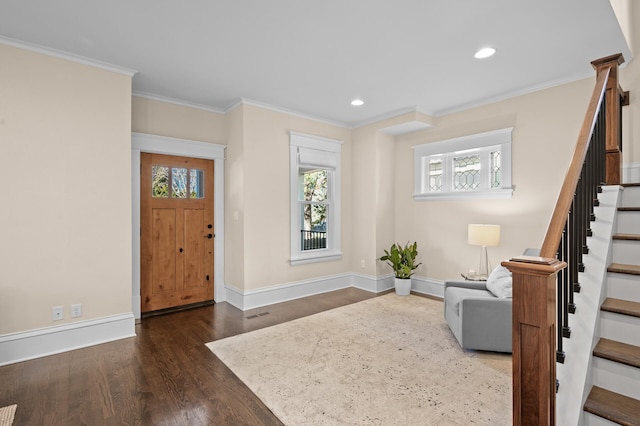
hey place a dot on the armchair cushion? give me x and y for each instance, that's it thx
(455, 296)
(499, 282)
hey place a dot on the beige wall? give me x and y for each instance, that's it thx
(177, 121)
(234, 199)
(630, 80)
(66, 238)
(65, 221)
(374, 198)
(546, 125)
(364, 229)
(263, 184)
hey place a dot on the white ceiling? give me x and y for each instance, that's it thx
(313, 57)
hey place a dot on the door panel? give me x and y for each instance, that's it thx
(194, 253)
(163, 243)
(176, 208)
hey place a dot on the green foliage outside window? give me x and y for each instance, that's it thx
(315, 189)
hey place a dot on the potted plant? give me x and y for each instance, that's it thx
(402, 260)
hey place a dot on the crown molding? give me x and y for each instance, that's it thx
(514, 94)
(391, 114)
(66, 55)
(263, 105)
(179, 102)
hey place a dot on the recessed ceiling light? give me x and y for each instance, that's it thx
(485, 53)
(357, 102)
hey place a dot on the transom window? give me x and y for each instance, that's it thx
(176, 182)
(315, 198)
(476, 166)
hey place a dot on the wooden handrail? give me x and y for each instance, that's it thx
(559, 217)
(535, 279)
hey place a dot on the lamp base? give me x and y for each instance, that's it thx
(484, 267)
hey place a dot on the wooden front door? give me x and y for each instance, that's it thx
(176, 240)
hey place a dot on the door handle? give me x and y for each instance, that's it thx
(209, 236)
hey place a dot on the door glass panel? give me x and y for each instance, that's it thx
(196, 183)
(160, 181)
(179, 182)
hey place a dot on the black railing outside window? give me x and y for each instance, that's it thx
(313, 240)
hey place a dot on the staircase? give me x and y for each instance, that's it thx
(615, 395)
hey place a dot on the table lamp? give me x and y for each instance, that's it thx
(484, 236)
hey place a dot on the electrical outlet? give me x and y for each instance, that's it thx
(362, 263)
(57, 313)
(76, 310)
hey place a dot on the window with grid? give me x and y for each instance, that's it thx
(476, 166)
(315, 198)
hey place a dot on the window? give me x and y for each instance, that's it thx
(178, 179)
(315, 198)
(476, 166)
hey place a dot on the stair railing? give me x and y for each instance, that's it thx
(543, 287)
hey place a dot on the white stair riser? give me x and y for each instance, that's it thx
(631, 197)
(626, 251)
(623, 328)
(616, 377)
(593, 420)
(623, 286)
(628, 222)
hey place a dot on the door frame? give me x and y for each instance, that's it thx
(143, 142)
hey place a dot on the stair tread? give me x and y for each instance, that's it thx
(629, 209)
(624, 268)
(631, 237)
(618, 352)
(619, 306)
(612, 406)
(631, 184)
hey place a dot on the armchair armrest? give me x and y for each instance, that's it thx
(477, 285)
(485, 324)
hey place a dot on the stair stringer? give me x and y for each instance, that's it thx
(575, 374)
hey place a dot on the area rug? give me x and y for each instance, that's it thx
(7, 414)
(390, 360)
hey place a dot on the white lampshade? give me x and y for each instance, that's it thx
(484, 235)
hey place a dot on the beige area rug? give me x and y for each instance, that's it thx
(7, 414)
(389, 360)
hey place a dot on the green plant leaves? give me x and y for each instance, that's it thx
(402, 259)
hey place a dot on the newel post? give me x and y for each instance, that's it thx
(613, 105)
(534, 337)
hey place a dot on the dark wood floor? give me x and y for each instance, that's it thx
(163, 376)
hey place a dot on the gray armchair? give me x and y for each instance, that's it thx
(478, 319)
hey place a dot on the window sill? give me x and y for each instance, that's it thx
(315, 258)
(504, 193)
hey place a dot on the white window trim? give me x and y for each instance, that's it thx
(331, 147)
(501, 138)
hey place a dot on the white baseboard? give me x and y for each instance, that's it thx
(251, 299)
(23, 346)
(631, 173)
(427, 286)
(136, 303)
(371, 283)
(32, 344)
